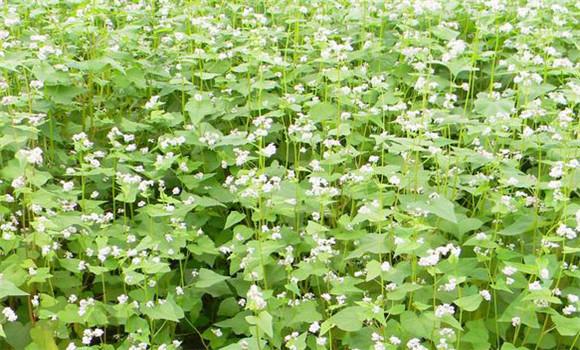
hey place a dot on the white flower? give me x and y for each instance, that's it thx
(67, 186)
(9, 314)
(535, 286)
(33, 156)
(152, 102)
(485, 294)
(314, 327)
(269, 150)
(509, 270)
(394, 340)
(255, 298)
(394, 180)
(569, 310)
(445, 309)
(481, 236)
(516, 321)
(385, 266)
(415, 344)
(37, 84)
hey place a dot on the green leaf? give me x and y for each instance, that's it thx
(42, 336)
(450, 320)
(208, 278)
(166, 310)
(371, 243)
(469, 303)
(510, 346)
(567, 326)
(489, 107)
(477, 334)
(63, 94)
(237, 323)
(263, 321)
(444, 33)
(373, 270)
(306, 312)
(443, 208)
(349, 319)
(521, 225)
(415, 326)
(198, 110)
(461, 227)
(458, 65)
(17, 334)
(8, 289)
(322, 111)
(233, 218)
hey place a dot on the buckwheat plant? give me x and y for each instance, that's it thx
(289, 174)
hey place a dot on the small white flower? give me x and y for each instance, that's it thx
(122, 299)
(314, 327)
(9, 314)
(33, 156)
(394, 340)
(445, 309)
(67, 186)
(394, 180)
(152, 103)
(269, 150)
(535, 286)
(569, 310)
(255, 298)
(509, 270)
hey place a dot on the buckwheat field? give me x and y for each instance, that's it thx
(289, 174)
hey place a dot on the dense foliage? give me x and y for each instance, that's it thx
(289, 174)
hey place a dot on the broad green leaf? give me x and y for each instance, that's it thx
(322, 111)
(443, 208)
(8, 289)
(415, 325)
(233, 218)
(488, 107)
(520, 225)
(17, 334)
(373, 270)
(42, 335)
(469, 303)
(349, 319)
(199, 109)
(263, 321)
(166, 309)
(566, 326)
(208, 278)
